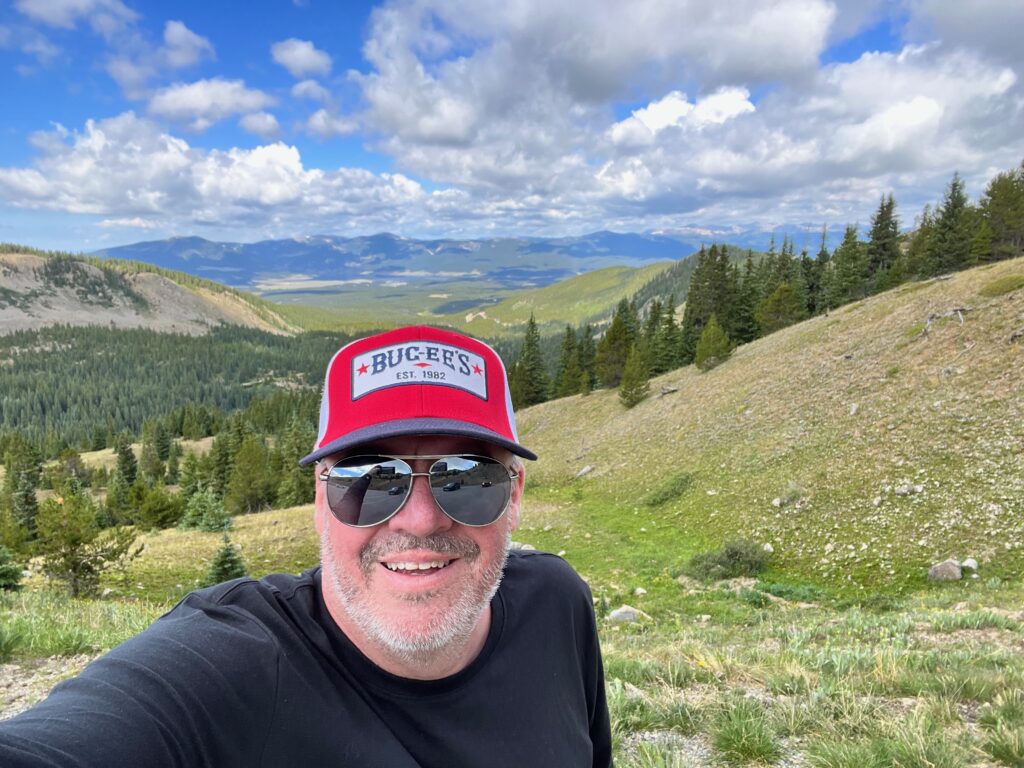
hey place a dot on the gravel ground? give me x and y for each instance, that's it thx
(23, 684)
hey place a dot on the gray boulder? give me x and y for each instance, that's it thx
(947, 570)
(626, 614)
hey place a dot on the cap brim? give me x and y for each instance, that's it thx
(412, 427)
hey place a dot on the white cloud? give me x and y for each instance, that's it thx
(135, 222)
(990, 26)
(5, 36)
(128, 170)
(183, 47)
(312, 90)
(261, 124)
(106, 17)
(674, 110)
(326, 125)
(301, 58)
(204, 102)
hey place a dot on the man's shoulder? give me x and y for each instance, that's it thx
(542, 571)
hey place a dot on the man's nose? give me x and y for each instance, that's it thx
(420, 515)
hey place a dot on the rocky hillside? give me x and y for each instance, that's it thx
(861, 446)
(39, 290)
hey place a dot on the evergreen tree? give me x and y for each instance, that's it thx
(981, 245)
(848, 277)
(1002, 209)
(74, 549)
(173, 463)
(587, 356)
(150, 465)
(883, 243)
(23, 469)
(117, 503)
(529, 379)
(252, 483)
(205, 512)
(635, 385)
(220, 462)
(158, 509)
(568, 376)
(915, 263)
(162, 441)
(296, 487)
(10, 571)
(744, 322)
(713, 347)
(613, 349)
(780, 309)
(665, 355)
(227, 564)
(950, 246)
(127, 465)
(191, 481)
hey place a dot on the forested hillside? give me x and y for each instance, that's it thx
(40, 289)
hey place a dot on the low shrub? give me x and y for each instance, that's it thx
(671, 489)
(1002, 286)
(740, 557)
(10, 571)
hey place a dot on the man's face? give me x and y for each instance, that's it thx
(406, 611)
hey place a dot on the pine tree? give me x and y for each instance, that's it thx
(10, 571)
(744, 322)
(126, 462)
(883, 243)
(23, 468)
(1002, 208)
(296, 487)
(587, 355)
(713, 347)
(568, 375)
(613, 349)
(529, 379)
(191, 482)
(150, 465)
(779, 310)
(950, 246)
(226, 565)
(205, 512)
(848, 277)
(252, 483)
(665, 356)
(74, 549)
(635, 385)
(981, 245)
(158, 509)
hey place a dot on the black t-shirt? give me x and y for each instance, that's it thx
(256, 673)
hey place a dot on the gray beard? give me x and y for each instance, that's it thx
(447, 633)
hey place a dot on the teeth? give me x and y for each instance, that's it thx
(416, 566)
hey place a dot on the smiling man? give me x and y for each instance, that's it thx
(422, 640)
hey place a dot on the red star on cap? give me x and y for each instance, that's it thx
(363, 369)
(477, 369)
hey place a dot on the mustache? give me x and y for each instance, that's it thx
(379, 548)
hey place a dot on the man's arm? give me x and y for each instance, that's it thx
(196, 688)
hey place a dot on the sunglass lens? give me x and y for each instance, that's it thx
(367, 490)
(472, 490)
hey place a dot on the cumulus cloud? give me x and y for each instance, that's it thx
(183, 47)
(106, 17)
(135, 222)
(261, 124)
(327, 125)
(133, 69)
(130, 171)
(301, 58)
(675, 111)
(992, 26)
(204, 102)
(310, 89)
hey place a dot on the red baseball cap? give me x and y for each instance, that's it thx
(415, 381)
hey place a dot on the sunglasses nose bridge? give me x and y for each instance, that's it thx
(420, 513)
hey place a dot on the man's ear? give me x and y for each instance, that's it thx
(517, 498)
(320, 503)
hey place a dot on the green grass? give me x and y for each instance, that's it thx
(1002, 285)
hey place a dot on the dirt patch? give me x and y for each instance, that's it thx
(24, 684)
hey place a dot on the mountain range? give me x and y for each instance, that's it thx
(324, 263)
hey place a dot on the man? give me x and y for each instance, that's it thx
(420, 641)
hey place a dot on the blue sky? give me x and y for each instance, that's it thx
(129, 121)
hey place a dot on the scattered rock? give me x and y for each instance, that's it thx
(704, 618)
(627, 614)
(768, 548)
(876, 502)
(970, 564)
(585, 471)
(947, 570)
(639, 591)
(853, 409)
(904, 489)
(776, 502)
(107, 593)
(521, 545)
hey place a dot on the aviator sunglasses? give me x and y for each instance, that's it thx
(363, 491)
